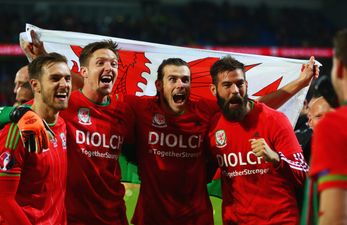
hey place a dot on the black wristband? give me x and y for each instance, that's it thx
(17, 113)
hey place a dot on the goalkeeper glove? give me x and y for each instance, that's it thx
(35, 132)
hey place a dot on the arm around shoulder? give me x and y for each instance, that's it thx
(5, 113)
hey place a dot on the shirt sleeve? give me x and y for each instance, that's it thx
(292, 161)
(328, 153)
(11, 212)
(10, 170)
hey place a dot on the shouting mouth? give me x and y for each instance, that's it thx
(62, 96)
(235, 102)
(106, 79)
(179, 98)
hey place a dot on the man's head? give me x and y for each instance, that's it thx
(50, 78)
(229, 85)
(22, 76)
(316, 110)
(339, 69)
(24, 94)
(173, 84)
(99, 67)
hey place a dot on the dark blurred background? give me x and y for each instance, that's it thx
(299, 24)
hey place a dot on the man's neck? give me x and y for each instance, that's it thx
(45, 112)
(95, 97)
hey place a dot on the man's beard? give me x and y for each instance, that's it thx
(233, 114)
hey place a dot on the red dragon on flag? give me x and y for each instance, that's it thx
(133, 64)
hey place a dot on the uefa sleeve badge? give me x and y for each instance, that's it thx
(6, 161)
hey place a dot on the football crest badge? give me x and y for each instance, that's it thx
(221, 139)
(84, 116)
(159, 120)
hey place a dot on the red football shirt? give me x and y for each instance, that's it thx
(95, 137)
(254, 191)
(171, 161)
(329, 150)
(42, 177)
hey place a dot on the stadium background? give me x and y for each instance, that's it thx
(286, 28)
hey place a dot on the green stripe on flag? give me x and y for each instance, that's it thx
(129, 171)
(215, 188)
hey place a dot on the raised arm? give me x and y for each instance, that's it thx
(36, 48)
(277, 98)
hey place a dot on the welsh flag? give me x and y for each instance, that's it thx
(139, 62)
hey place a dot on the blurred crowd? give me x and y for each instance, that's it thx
(199, 23)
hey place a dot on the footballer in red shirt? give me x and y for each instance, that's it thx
(329, 145)
(32, 184)
(96, 133)
(260, 158)
(97, 126)
(171, 157)
(171, 153)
